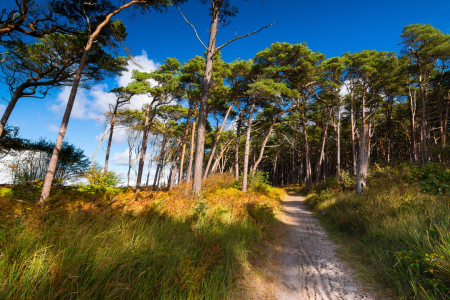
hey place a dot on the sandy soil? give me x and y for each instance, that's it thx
(303, 264)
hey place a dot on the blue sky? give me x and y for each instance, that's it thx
(331, 27)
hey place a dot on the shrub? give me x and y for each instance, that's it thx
(100, 184)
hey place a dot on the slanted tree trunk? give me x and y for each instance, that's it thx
(266, 139)
(100, 142)
(147, 123)
(111, 131)
(247, 146)
(161, 161)
(65, 121)
(216, 141)
(12, 103)
(238, 139)
(322, 149)
(216, 163)
(183, 151)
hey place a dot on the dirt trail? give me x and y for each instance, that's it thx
(304, 264)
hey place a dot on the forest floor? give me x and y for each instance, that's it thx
(301, 262)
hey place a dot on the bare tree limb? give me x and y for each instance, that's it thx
(242, 36)
(193, 28)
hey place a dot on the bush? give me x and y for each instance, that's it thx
(100, 184)
(398, 233)
(259, 181)
(433, 179)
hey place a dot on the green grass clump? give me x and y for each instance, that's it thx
(128, 249)
(398, 233)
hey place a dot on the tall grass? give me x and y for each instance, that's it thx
(128, 249)
(398, 233)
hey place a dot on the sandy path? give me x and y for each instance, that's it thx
(304, 266)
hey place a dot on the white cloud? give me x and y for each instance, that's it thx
(119, 136)
(53, 128)
(90, 104)
(2, 108)
(140, 63)
(121, 158)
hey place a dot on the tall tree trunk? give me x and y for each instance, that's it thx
(216, 141)
(161, 160)
(338, 142)
(364, 151)
(203, 114)
(247, 146)
(111, 131)
(186, 129)
(65, 121)
(322, 149)
(363, 160)
(412, 113)
(191, 157)
(173, 173)
(274, 178)
(308, 175)
(446, 117)
(238, 139)
(389, 126)
(144, 148)
(352, 121)
(423, 132)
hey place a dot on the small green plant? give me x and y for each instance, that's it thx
(258, 181)
(433, 179)
(100, 184)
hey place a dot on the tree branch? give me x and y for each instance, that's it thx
(193, 28)
(242, 36)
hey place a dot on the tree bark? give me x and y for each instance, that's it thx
(216, 141)
(216, 163)
(111, 131)
(161, 161)
(238, 138)
(322, 149)
(266, 139)
(338, 142)
(203, 114)
(191, 158)
(308, 176)
(247, 146)
(12, 103)
(144, 147)
(352, 121)
(183, 151)
(65, 121)
(363, 160)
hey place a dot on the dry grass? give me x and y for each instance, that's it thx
(154, 245)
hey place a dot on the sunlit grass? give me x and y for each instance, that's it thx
(384, 225)
(164, 245)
